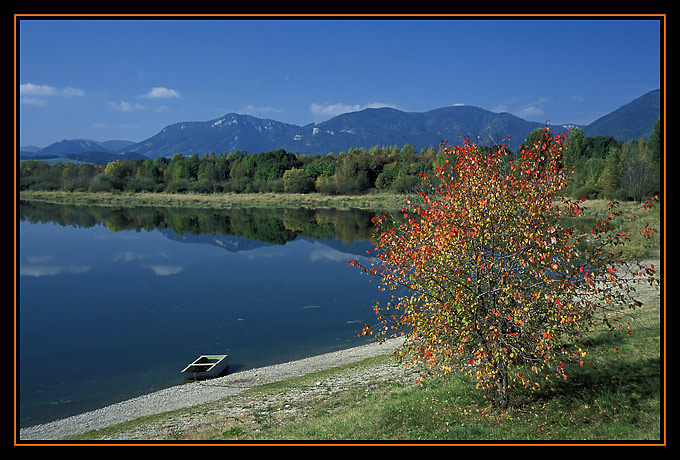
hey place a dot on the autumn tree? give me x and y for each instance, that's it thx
(488, 277)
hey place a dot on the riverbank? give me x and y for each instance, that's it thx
(377, 201)
(197, 393)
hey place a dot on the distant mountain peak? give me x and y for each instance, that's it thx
(365, 128)
(630, 121)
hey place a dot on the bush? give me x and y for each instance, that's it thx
(140, 184)
(295, 181)
(100, 183)
(76, 184)
(177, 186)
(201, 186)
(406, 184)
(325, 185)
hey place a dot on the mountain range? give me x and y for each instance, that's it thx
(365, 128)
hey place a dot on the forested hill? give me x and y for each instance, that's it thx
(362, 129)
(366, 129)
(381, 127)
(629, 122)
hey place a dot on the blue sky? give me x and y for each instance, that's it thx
(128, 78)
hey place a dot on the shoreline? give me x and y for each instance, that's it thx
(200, 392)
(375, 200)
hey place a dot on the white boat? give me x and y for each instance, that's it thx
(206, 366)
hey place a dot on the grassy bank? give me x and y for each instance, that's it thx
(617, 400)
(222, 201)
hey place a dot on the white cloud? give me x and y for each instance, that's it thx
(34, 101)
(530, 111)
(339, 108)
(160, 92)
(32, 94)
(124, 106)
(29, 89)
(332, 109)
(72, 92)
(533, 109)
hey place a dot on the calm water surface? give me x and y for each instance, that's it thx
(113, 303)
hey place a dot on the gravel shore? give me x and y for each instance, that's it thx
(189, 395)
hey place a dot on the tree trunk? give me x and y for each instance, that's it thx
(502, 394)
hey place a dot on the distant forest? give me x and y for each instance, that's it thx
(603, 168)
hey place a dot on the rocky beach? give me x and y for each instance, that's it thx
(200, 392)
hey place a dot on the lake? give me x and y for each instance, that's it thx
(114, 303)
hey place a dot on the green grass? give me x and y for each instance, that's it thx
(615, 400)
(637, 246)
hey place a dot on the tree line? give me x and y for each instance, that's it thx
(603, 168)
(271, 225)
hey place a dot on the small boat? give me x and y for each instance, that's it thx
(207, 366)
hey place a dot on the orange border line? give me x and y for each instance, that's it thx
(660, 16)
